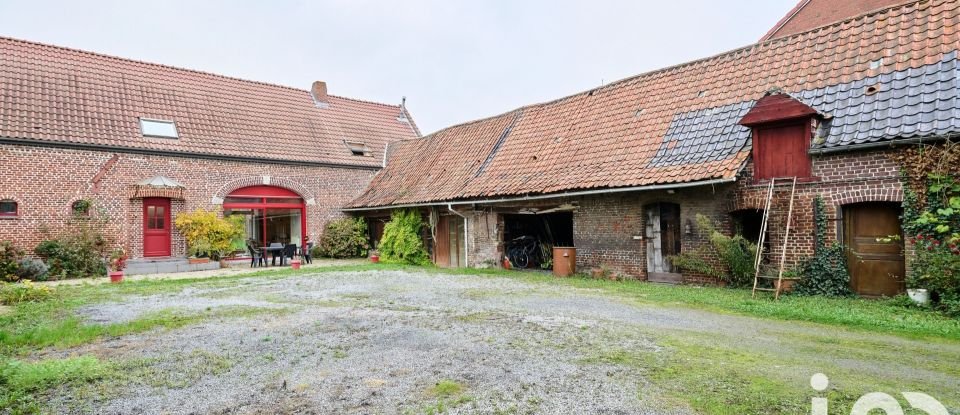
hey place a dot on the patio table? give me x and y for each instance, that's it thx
(275, 250)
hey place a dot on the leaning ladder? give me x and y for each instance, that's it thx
(758, 261)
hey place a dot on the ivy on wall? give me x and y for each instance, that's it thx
(825, 273)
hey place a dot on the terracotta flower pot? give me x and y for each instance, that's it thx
(116, 276)
(506, 263)
(198, 260)
(295, 264)
(375, 258)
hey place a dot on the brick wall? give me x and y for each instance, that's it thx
(46, 181)
(605, 226)
(841, 179)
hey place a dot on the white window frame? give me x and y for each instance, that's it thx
(172, 124)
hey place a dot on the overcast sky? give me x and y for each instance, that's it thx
(454, 60)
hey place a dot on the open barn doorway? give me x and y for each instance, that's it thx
(529, 238)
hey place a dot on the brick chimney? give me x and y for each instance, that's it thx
(319, 92)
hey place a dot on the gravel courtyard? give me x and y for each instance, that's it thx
(414, 342)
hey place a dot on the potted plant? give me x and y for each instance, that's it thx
(790, 278)
(117, 262)
(919, 295)
(374, 256)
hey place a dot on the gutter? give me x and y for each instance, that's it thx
(550, 196)
(466, 235)
(882, 143)
(149, 152)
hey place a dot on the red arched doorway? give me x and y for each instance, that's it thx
(271, 214)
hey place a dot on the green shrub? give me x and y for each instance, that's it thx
(21, 292)
(32, 269)
(78, 251)
(825, 273)
(344, 238)
(401, 240)
(737, 256)
(208, 234)
(9, 261)
(934, 229)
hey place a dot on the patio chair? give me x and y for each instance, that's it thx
(256, 256)
(305, 253)
(289, 251)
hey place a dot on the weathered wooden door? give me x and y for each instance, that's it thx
(663, 240)
(441, 245)
(876, 266)
(782, 151)
(156, 227)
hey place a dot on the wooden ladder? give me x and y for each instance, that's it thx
(758, 261)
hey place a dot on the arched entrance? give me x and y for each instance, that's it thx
(271, 214)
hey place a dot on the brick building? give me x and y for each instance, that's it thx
(621, 171)
(143, 142)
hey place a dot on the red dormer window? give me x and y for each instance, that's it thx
(781, 137)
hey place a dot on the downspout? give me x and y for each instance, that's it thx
(466, 234)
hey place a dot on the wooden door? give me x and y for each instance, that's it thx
(450, 247)
(156, 227)
(876, 267)
(441, 245)
(663, 240)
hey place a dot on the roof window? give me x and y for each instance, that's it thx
(158, 128)
(358, 149)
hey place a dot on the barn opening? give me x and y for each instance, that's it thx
(529, 238)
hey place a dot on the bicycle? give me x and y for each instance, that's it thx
(522, 251)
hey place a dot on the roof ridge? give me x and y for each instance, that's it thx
(684, 64)
(179, 68)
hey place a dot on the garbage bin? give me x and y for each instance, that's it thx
(564, 261)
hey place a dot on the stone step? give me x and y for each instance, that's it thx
(143, 266)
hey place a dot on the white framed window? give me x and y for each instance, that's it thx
(158, 128)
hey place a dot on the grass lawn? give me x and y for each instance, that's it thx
(747, 382)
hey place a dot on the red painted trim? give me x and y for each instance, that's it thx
(267, 192)
(263, 191)
(776, 108)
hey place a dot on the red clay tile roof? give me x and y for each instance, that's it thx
(676, 125)
(55, 94)
(810, 14)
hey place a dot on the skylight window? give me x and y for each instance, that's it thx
(358, 149)
(158, 128)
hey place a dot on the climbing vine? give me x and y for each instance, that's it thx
(825, 273)
(402, 241)
(931, 220)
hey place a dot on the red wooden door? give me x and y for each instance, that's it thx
(781, 151)
(156, 227)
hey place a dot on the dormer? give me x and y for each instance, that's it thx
(781, 132)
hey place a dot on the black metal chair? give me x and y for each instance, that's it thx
(305, 253)
(256, 256)
(289, 251)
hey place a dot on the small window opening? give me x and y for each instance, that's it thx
(81, 207)
(639, 112)
(359, 149)
(872, 89)
(158, 128)
(702, 93)
(8, 208)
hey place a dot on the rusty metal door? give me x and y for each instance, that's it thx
(876, 263)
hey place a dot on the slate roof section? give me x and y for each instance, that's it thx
(51, 94)
(916, 102)
(638, 131)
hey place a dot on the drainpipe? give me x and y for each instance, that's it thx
(466, 234)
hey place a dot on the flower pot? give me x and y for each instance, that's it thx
(116, 276)
(198, 260)
(787, 285)
(374, 258)
(295, 264)
(506, 263)
(919, 295)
